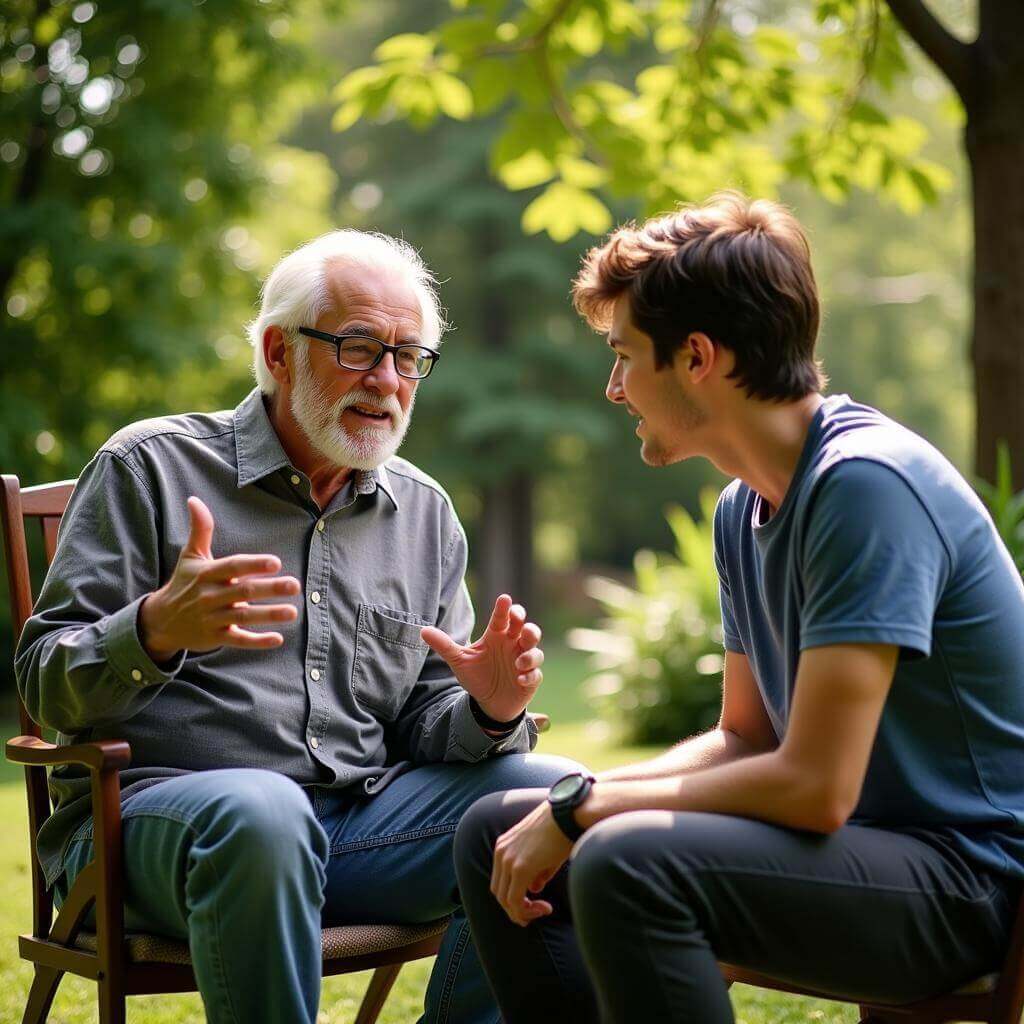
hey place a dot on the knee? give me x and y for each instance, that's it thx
(616, 870)
(480, 827)
(529, 771)
(266, 818)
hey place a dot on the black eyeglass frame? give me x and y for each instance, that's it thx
(337, 339)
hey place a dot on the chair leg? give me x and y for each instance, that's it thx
(873, 1016)
(112, 1008)
(377, 993)
(40, 995)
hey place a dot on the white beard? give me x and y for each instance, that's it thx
(362, 448)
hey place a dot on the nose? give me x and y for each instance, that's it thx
(613, 392)
(384, 378)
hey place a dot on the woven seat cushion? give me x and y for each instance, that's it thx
(343, 941)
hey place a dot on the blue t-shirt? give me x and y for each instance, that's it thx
(880, 540)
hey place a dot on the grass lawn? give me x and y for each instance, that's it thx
(75, 1003)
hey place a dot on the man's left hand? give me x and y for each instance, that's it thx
(526, 858)
(502, 669)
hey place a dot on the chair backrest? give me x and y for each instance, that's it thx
(45, 504)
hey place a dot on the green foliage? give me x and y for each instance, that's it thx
(707, 96)
(139, 158)
(659, 649)
(141, 182)
(1006, 507)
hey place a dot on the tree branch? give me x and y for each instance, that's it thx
(951, 56)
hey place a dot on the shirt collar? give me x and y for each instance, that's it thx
(259, 453)
(257, 447)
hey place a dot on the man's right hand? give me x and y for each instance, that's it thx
(207, 601)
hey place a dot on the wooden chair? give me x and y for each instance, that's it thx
(996, 998)
(122, 964)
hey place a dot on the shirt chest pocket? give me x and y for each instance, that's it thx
(389, 656)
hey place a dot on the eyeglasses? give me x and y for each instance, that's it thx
(358, 352)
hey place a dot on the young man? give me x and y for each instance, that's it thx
(855, 823)
(312, 773)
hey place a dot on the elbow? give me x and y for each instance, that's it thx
(830, 811)
(830, 818)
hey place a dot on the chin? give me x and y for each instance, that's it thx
(654, 455)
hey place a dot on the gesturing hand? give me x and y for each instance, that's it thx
(206, 602)
(502, 669)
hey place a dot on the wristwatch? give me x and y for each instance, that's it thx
(564, 797)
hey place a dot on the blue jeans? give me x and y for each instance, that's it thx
(246, 867)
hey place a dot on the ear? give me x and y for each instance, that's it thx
(274, 354)
(698, 357)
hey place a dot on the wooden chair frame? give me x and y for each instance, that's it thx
(51, 945)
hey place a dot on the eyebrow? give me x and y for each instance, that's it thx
(614, 343)
(363, 331)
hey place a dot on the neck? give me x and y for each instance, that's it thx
(763, 442)
(325, 478)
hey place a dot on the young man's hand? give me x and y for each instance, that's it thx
(502, 669)
(526, 858)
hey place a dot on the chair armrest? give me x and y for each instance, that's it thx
(100, 755)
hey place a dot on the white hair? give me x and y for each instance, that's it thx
(295, 292)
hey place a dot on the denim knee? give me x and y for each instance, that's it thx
(265, 818)
(529, 771)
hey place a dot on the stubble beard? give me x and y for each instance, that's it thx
(362, 448)
(687, 417)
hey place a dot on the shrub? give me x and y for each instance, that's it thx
(658, 652)
(1006, 508)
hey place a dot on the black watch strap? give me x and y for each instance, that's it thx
(486, 722)
(563, 810)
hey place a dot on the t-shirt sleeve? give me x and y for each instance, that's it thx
(730, 631)
(873, 564)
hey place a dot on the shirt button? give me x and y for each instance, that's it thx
(315, 597)
(296, 479)
(320, 525)
(136, 675)
(314, 742)
(314, 674)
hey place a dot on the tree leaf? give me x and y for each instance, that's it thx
(453, 95)
(526, 171)
(409, 46)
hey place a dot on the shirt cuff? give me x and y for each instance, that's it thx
(128, 658)
(469, 741)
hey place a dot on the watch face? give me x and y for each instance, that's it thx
(565, 789)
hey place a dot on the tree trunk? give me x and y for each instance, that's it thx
(504, 554)
(506, 534)
(995, 148)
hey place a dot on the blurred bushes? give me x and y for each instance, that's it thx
(658, 650)
(1005, 507)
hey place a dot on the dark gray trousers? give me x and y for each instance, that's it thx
(652, 899)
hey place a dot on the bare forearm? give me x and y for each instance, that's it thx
(709, 749)
(763, 786)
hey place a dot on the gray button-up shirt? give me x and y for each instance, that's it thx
(352, 697)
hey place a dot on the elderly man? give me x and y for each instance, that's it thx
(855, 823)
(312, 773)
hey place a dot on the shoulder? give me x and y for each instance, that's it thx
(186, 426)
(411, 484)
(732, 508)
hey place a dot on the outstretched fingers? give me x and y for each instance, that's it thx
(500, 616)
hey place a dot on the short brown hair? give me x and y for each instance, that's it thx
(735, 269)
